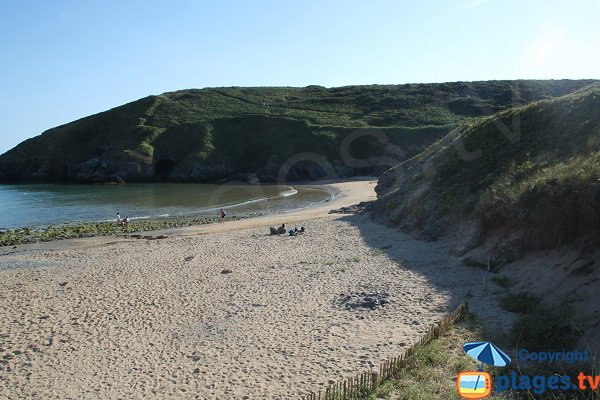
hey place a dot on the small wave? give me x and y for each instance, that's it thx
(290, 192)
(142, 217)
(231, 205)
(130, 218)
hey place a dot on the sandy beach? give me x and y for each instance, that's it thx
(222, 311)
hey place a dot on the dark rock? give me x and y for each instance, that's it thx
(203, 173)
(269, 172)
(132, 171)
(362, 207)
(342, 170)
(92, 170)
(226, 271)
(115, 178)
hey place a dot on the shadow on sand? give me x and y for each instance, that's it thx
(443, 272)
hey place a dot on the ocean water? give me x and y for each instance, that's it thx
(53, 204)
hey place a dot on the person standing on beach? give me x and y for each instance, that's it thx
(223, 215)
(118, 218)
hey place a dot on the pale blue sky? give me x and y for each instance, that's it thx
(65, 59)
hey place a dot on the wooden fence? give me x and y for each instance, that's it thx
(362, 384)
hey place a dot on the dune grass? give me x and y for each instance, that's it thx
(431, 373)
(521, 302)
(533, 170)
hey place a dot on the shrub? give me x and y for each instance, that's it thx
(545, 329)
(519, 302)
(502, 281)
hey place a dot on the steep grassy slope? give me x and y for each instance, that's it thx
(229, 133)
(531, 173)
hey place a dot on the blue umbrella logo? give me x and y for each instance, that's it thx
(487, 353)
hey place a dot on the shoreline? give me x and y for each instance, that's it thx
(222, 310)
(253, 199)
(67, 231)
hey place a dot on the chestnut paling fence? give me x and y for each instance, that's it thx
(362, 384)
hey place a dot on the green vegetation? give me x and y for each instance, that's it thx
(540, 327)
(503, 281)
(381, 250)
(470, 262)
(13, 237)
(227, 133)
(533, 170)
(521, 302)
(545, 328)
(431, 373)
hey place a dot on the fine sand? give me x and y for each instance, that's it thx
(222, 311)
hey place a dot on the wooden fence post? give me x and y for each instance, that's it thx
(374, 380)
(370, 380)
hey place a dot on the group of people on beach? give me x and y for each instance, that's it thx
(123, 222)
(282, 229)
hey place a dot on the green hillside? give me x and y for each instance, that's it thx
(531, 174)
(215, 134)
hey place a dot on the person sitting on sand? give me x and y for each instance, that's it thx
(125, 221)
(281, 229)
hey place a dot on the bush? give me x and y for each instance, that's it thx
(545, 329)
(519, 302)
(470, 262)
(502, 281)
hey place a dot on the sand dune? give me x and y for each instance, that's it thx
(221, 311)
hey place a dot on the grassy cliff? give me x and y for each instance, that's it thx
(217, 134)
(530, 173)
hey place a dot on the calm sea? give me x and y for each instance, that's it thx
(43, 205)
